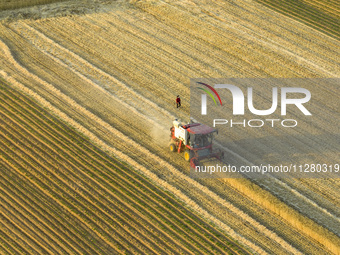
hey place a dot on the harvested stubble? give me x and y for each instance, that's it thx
(16, 4)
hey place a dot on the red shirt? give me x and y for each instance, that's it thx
(178, 100)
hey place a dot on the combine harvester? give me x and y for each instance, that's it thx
(195, 140)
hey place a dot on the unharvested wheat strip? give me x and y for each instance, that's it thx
(277, 19)
(37, 223)
(270, 43)
(303, 18)
(29, 228)
(66, 146)
(123, 157)
(65, 244)
(309, 201)
(329, 191)
(9, 243)
(73, 211)
(33, 201)
(327, 198)
(80, 163)
(85, 204)
(22, 229)
(254, 23)
(317, 206)
(282, 242)
(17, 235)
(101, 199)
(322, 216)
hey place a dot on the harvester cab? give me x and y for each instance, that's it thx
(195, 140)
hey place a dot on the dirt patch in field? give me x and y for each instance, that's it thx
(61, 9)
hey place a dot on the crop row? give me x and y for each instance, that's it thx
(82, 192)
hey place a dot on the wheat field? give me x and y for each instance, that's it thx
(86, 105)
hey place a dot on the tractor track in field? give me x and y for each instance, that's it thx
(327, 22)
(40, 216)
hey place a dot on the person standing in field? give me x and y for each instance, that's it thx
(178, 101)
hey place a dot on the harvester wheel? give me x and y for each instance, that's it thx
(172, 147)
(187, 155)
